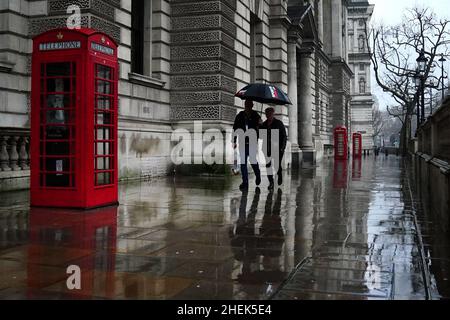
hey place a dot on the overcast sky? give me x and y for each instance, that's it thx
(391, 12)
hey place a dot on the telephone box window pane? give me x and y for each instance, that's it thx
(103, 163)
(57, 148)
(104, 118)
(103, 148)
(57, 116)
(103, 72)
(59, 101)
(57, 165)
(57, 132)
(57, 180)
(103, 102)
(58, 85)
(103, 178)
(104, 87)
(103, 133)
(59, 69)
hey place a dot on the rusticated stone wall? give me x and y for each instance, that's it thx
(96, 14)
(202, 60)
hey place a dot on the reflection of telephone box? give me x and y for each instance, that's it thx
(60, 238)
(356, 169)
(340, 143)
(74, 119)
(357, 145)
(340, 174)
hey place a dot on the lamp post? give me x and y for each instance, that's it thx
(442, 60)
(418, 85)
(421, 63)
(432, 85)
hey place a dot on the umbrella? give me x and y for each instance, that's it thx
(263, 93)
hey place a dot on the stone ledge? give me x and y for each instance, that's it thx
(14, 180)
(442, 165)
(14, 174)
(146, 81)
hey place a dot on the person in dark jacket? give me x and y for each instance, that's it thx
(247, 123)
(273, 159)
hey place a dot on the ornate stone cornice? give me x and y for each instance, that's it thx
(280, 20)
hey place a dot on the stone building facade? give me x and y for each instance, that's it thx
(183, 60)
(359, 14)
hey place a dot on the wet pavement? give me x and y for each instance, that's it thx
(343, 230)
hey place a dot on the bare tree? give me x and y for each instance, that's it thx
(393, 51)
(378, 122)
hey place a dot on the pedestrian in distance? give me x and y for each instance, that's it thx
(273, 142)
(245, 128)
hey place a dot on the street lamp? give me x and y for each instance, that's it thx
(421, 64)
(442, 60)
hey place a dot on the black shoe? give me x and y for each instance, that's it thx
(271, 185)
(280, 180)
(243, 186)
(258, 180)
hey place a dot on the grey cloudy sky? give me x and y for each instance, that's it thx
(391, 12)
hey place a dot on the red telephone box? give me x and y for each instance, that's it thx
(340, 143)
(74, 119)
(60, 238)
(357, 145)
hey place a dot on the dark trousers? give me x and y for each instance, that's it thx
(244, 170)
(269, 165)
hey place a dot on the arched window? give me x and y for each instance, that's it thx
(362, 85)
(361, 43)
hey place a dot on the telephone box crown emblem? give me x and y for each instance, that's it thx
(59, 36)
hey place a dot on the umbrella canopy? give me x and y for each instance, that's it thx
(263, 93)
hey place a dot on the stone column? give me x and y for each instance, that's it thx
(320, 19)
(305, 102)
(293, 109)
(336, 27)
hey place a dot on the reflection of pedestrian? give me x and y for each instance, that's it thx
(271, 148)
(247, 120)
(248, 247)
(243, 240)
(271, 231)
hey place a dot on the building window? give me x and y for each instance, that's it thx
(361, 67)
(141, 37)
(361, 22)
(362, 85)
(361, 43)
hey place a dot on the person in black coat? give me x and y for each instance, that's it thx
(248, 121)
(273, 159)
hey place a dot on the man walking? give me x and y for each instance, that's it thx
(246, 127)
(271, 147)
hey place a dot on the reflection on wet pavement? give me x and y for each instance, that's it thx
(343, 230)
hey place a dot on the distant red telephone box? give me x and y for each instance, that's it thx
(74, 119)
(340, 143)
(357, 145)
